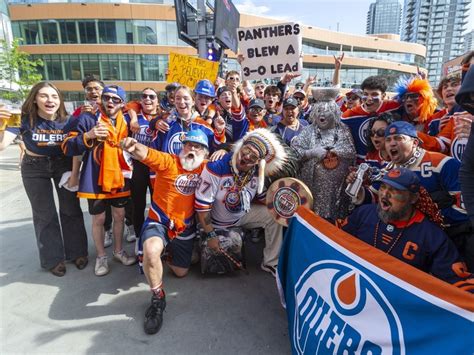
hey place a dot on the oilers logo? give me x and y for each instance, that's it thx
(187, 183)
(232, 201)
(363, 131)
(331, 297)
(175, 143)
(144, 136)
(457, 148)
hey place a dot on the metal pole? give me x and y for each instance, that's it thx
(202, 40)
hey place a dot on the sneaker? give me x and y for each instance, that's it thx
(124, 258)
(109, 237)
(269, 268)
(101, 266)
(154, 314)
(129, 233)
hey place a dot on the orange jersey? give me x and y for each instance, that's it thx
(173, 193)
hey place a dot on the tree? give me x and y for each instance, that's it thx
(18, 70)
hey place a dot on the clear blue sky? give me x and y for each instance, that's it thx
(351, 15)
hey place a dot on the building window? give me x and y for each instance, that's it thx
(107, 32)
(68, 32)
(145, 31)
(29, 32)
(87, 32)
(50, 32)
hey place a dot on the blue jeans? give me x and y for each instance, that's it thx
(54, 246)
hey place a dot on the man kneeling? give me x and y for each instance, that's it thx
(170, 223)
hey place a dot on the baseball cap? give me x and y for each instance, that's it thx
(299, 91)
(257, 103)
(401, 127)
(358, 92)
(196, 136)
(117, 90)
(291, 101)
(402, 179)
(222, 90)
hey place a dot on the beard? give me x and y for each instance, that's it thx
(191, 161)
(387, 216)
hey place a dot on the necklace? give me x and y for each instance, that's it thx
(240, 180)
(396, 239)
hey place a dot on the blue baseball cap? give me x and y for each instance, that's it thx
(117, 90)
(401, 127)
(196, 136)
(402, 179)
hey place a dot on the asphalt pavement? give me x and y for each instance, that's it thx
(81, 313)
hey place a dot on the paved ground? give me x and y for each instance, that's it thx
(81, 313)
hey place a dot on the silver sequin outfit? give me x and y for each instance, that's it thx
(327, 186)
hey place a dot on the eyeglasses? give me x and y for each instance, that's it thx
(379, 132)
(146, 96)
(412, 96)
(115, 100)
(252, 157)
(93, 88)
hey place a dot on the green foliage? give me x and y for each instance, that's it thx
(18, 70)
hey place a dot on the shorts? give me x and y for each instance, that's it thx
(98, 206)
(179, 250)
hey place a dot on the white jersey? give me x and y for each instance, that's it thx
(217, 193)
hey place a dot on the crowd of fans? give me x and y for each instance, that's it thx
(206, 155)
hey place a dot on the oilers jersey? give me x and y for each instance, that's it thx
(218, 194)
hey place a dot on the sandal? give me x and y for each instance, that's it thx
(59, 270)
(81, 262)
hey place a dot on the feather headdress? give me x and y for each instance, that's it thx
(272, 153)
(423, 88)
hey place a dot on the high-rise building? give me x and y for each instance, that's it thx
(439, 25)
(469, 41)
(384, 16)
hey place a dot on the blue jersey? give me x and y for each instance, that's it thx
(171, 141)
(287, 133)
(146, 134)
(417, 242)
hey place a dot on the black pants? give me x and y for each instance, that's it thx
(140, 182)
(54, 246)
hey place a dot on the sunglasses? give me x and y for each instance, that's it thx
(115, 100)
(414, 97)
(298, 98)
(256, 109)
(146, 96)
(379, 132)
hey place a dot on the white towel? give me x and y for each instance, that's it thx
(63, 182)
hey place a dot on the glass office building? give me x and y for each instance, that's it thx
(440, 26)
(384, 16)
(129, 43)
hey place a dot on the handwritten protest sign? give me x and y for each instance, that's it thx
(188, 70)
(271, 50)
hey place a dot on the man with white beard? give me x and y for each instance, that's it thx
(170, 223)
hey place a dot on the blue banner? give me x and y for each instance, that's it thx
(343, 296)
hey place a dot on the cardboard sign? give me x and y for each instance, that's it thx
(344, 296)
(188, 70)
(270, 51)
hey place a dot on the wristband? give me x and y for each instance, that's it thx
(210, 235)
